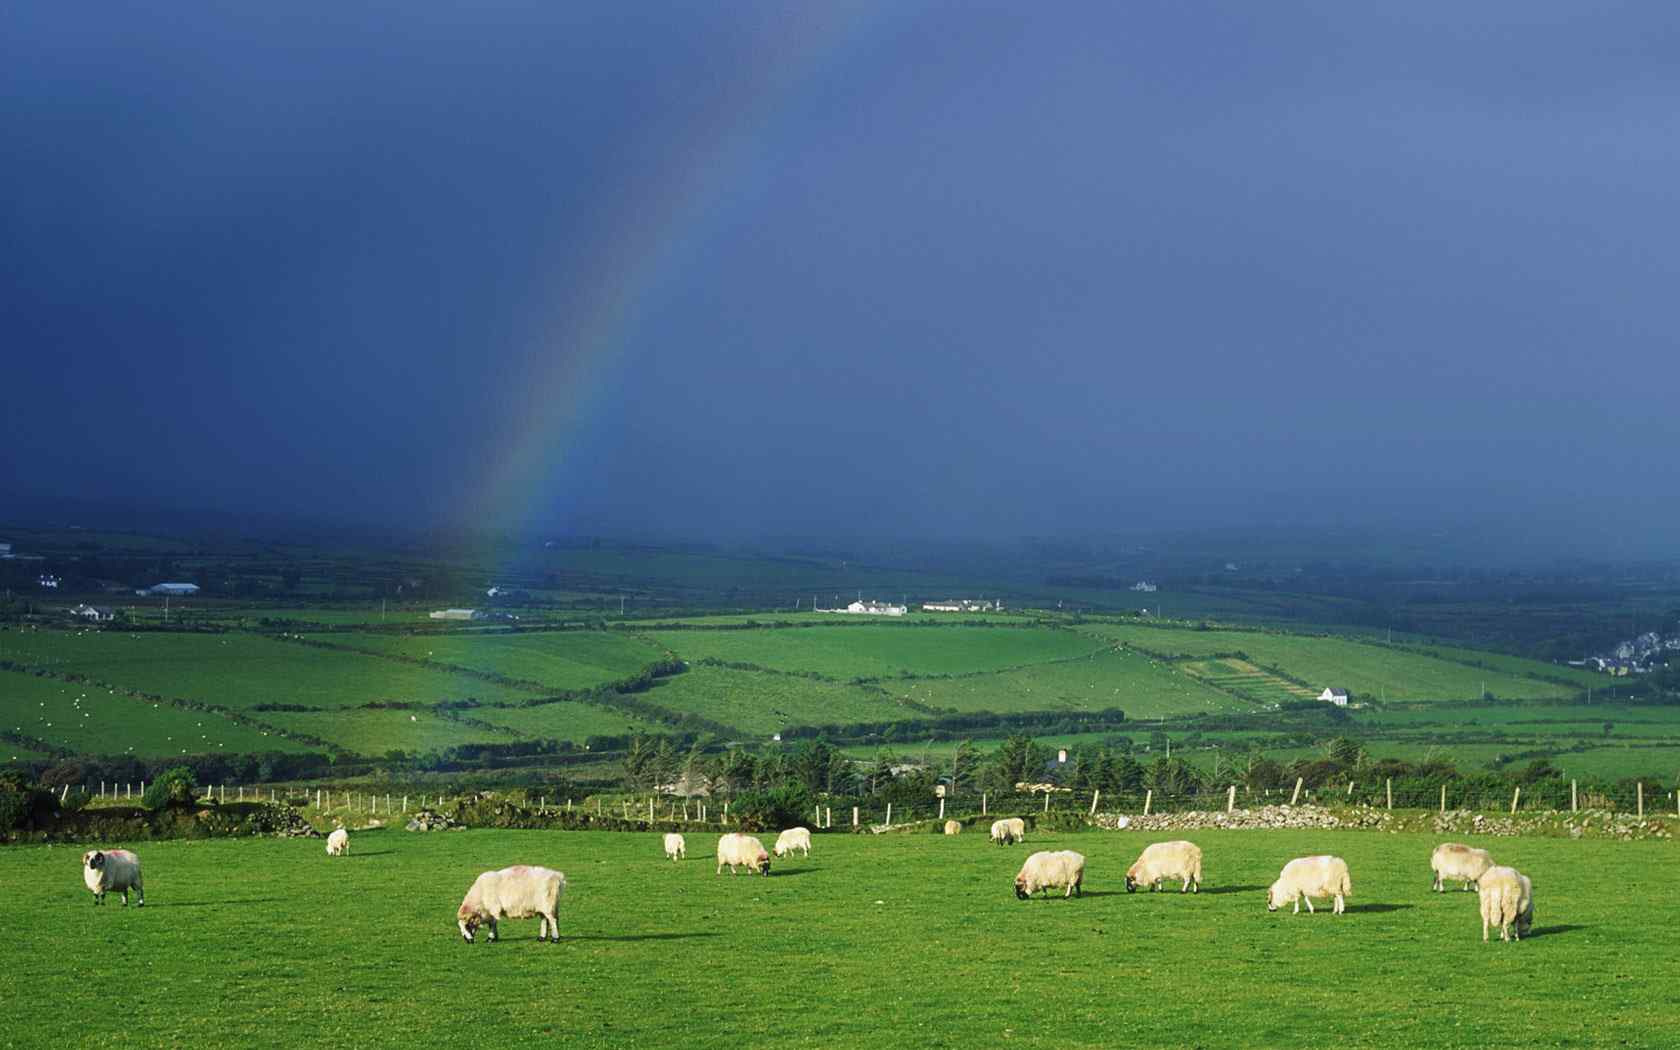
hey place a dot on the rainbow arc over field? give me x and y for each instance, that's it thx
(659, 229)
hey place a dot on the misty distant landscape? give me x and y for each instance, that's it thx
(1002, 457)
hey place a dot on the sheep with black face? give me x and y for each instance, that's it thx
(113, 871)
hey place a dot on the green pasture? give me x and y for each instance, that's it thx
(375, 731)
(88, 719)
(362, 950)
(560, 660)
(760, 703)
(240, 670)
(880, 651)
(565, 720)
(1138, 684)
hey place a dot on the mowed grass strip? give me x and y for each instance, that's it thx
(566, 720)
(376, 731)
(758, 702)
(242, 671)
(1390, 672)
(880, 651)
(1137, 684)
(91, 720)
(559, 660)
(363, 949)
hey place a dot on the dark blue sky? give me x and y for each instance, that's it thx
(883, 268)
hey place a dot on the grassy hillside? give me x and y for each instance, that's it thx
(761, 704)
(559, 660)
(645, 951)
(880, 652)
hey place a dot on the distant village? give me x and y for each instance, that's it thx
(875, 608)
(1648, 652)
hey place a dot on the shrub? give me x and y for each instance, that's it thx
(177, 787)
(773, 809)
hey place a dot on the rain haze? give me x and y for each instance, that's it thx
(743, 270)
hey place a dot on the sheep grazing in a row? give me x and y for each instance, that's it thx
(792, 839)
(1009, 830)
(1304, 878)
(735, 849)
(1063, 869)
(675, 847)
(953, 827)
(1166, 860)
(113, 871)
(1452, 860)
(338, 843)
(518, 892)
(1507, 898)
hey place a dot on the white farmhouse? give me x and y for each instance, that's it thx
(1145, 587)
(173, 588)
(874, 608)
(1332, 695)
(456, 614)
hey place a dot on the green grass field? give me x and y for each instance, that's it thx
(1139, 685)
(763, 704)
(362, 950)
(241, 671)
(560, 660)
(881, 652)
(86, 719)
(567, 720)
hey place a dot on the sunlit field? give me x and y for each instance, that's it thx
(889, 940)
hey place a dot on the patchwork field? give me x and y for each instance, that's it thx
(651, 949)
(1242, 678)
(763, 704)
(566, 720)
(881, 652)
(560, 660)
(1138, 684)
(240, 670)
(86, 719)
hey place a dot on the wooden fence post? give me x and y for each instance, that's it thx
(854, 816)
(1231, 799)
(1297, 795)
(1443, 798)
(1572, 806)
(1388, 786)
(1515, 794)
(405, 803)
(1148, 797)
(982, 803)
(1640, 787)
(1096, 794)
(889, 814)
(941, 809)
(1047, 802)
(650, 811)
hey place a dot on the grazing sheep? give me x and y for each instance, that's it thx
(675, 847)
(737, 849)
(518, 892)
(338, 843)
(1304, 878)
(1451, 860)
(953, 827)
(1045, 869)
(1167, 860)
(113, 871)
(1009, 830)
(792, 839)
(1507, 898)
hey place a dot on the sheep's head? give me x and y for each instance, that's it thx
(1021, 890)
(468, 919)
(763, 864)
(1131, 883)
(780, 849)
(1274, 893)
(93, 859)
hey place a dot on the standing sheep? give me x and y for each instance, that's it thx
(1304, 878)
(675, 847)
(1009, 830)
(737, 849)
(338, 843)
(1507, 898)
(518, 892)
(792, 839)
(113, 871)
(1043, 870)
(953, 827)
(1166, 860)
(1452, 860)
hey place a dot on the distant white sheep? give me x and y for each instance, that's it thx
(1452, 860)
(1507, 898)
(1304, 878)
(736, 849)
(113, 871)
(792, 839)
(953, 827)
(675, 847)
(518, 892)
(1166, 860)
(1044, 870)
(1009, 830)
(338, 843)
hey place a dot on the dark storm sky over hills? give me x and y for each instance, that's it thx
(897, 269)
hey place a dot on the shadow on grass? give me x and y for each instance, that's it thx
(1547, 931)
(1099, 893)
(217, 904)
(1375, 908)
(369, 853)
(788, 873)
(643, 936)
(1216, 890)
